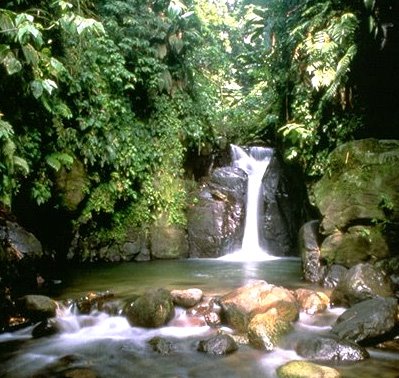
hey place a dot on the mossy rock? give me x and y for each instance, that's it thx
(361, 185)
(304, 369)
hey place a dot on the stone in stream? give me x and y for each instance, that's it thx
(305, 369)
(330, 348)
(218, 345)
(36, 307)
(367, 320)
(311, 301)
(240, 305)
(152, 309)
(186, 298)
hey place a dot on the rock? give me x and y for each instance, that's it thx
(305, 369)
(361, 282)
(284, 203)
(161, 345)
(308, 240)
(168, 241)
(218, 345)
(152, 309)
(93, 301)
(266, 330)
(312, 302)
(79, 373)
(45, 328)
(359, 194)
(186, 298)
(334, 275)
(356, 244)
(367, 320)
(215, 219)
(330, 348)
(240, 305)
(36, 307)
(210, 311)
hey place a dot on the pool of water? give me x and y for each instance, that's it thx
(107, 346)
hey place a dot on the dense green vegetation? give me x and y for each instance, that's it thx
(122, 94)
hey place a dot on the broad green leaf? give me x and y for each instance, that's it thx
(49, 86)
(36, 87)
(11, 63)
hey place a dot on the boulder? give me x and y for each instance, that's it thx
(330, 348)
(152, 309)
(218, 345)
(36, 307)
(308, 240)
(311, 301)
(333, 276)
(265, 330)
(358, 200)
(186, 298)
(215, 218)
(45, 328)
(356, 244)
(306, 369)
(367, 320)
(240, 305)
(361, 282)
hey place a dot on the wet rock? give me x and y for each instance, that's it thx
(93, 301)
(36, 307)
(216, 216)
(161, 345)
(240, 305)
(45, 328)
(218, 345)
(310, 251)
(186, 298)
(284, 200)
(79, 373)
(312, 302)
(152, 309)
(330, 348)
(305, 369)
(266, 330)
(209, 310)
(361, 282)
(333, 276)
(367, 320)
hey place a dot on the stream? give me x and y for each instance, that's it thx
(100, 345)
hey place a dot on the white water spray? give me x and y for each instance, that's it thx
(254, 164)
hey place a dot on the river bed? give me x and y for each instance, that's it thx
(107, 346)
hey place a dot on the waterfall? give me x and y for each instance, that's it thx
(253, 162)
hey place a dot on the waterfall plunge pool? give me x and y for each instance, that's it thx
(100, 345)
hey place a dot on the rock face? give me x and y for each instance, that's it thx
(284, 204)
(153, 309)
(367, 320)
(215, 222)
(361, 282)
(359, 202)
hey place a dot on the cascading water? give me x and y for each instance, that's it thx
(254, 164)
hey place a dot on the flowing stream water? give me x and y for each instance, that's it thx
(254, 163)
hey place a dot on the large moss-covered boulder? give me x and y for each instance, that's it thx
(359, 202)
(152, 309)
